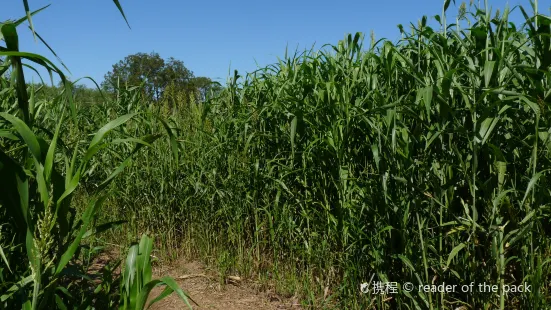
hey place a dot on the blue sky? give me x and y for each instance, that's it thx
(210, 36)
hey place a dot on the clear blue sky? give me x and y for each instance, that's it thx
(210, 36)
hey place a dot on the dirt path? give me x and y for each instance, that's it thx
(205, 289)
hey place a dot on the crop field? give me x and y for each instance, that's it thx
(399, 165)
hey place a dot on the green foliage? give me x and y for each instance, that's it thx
(137, 283)
(206, 87)
(425, 161)
(155, 75)
(85, 96)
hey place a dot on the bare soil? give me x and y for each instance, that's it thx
(205, 289)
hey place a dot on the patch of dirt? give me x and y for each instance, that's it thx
(205, 289)
(100, 262)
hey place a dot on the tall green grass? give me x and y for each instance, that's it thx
(422, 161)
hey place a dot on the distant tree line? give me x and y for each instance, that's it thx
(156, 75)
(81, 93)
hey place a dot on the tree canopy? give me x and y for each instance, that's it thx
(154, 72)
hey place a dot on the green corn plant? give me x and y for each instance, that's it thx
(38, 197)
(38, 182)
(137, 282)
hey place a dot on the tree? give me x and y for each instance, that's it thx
(204, 85)
(150, 70)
